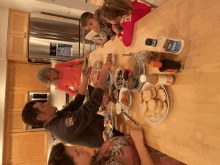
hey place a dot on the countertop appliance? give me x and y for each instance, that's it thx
(55, 37)
(39, 97)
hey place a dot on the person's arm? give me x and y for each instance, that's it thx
(66, 89)
(138, 138)
(70, 63)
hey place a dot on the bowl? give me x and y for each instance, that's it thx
(134, 81)
(127, 73)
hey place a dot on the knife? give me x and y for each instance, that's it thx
(130, 118)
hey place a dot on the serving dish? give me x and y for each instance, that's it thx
(118, 78)
(108, 124)
(129, 96)
(153, 120)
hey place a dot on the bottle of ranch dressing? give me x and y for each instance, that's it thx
(167, 45)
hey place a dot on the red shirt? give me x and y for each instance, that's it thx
(69, 76)
(128, 20)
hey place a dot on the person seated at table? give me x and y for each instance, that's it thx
(95, 23)
(63, 75)
(129, 150)
(126, 13)
(77, 123)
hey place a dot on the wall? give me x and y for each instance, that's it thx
(71, 9)
(3, 66)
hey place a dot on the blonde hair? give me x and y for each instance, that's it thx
(111, 9)
(44, 78)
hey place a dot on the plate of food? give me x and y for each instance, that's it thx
(108, 124)
(85, 65)
(109, 79)
(118, 78)
(125, 98)
(154, 102)
(115, 95)
(110, 57)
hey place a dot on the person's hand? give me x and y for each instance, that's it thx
(106, 67)
(112, 38)
(86, 76)
(105, 136)
(137, 134)
(115, 29)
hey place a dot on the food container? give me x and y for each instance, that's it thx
(115, 94)
(109, 79)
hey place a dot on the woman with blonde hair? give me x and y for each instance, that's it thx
(126, 13)
(63, 75)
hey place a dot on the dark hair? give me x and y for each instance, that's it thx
(84, 18)
(111, 9)
(29, 115)
(58, 156)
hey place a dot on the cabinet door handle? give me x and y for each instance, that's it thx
(24, 33)
(24, 36)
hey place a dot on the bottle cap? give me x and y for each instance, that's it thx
(143, 78)
(156, 64)
(151, 42)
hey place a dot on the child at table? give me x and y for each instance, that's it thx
(126, 13)
(95, 23)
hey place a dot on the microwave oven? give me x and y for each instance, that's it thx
(39, 97)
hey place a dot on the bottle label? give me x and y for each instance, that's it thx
(164, 79)
(172, 46)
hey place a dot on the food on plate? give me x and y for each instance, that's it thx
(144, 107)
(96, 76)
(152, 104)
(107, 92)
(161, 95)
(131, 83)
(108, 123)
(125, 98)
(85, 65)
(119, 78)
(115, 94)
(159, 106)
(133, 66)
(153, 91)
(109, 57)
(105, 100)
(164, 109)
(126, 75)
(147, 95)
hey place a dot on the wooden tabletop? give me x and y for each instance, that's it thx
(191, 130)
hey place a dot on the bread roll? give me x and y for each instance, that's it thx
(159, 106)
(152, 105)
(153, 91)
(161, 95)
(164, 109)
(147, 95)
(157, 87)
(157, 116)
(149, 114)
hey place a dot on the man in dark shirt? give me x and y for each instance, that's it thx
(78, 123)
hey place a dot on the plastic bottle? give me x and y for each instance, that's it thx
(167, 65)
(167, 45)
(158, 79)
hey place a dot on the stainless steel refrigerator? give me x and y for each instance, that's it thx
(56, 38)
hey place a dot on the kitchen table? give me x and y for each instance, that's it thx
(191, 131)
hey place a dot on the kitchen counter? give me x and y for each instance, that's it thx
(190, 132)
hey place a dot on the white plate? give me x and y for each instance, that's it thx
(115, 77)
(152, 120)
(120, 96)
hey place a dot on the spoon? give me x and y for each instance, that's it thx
(119, 110)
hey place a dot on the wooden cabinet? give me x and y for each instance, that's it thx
(26, 148)
(24, 77)
(18, 30)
